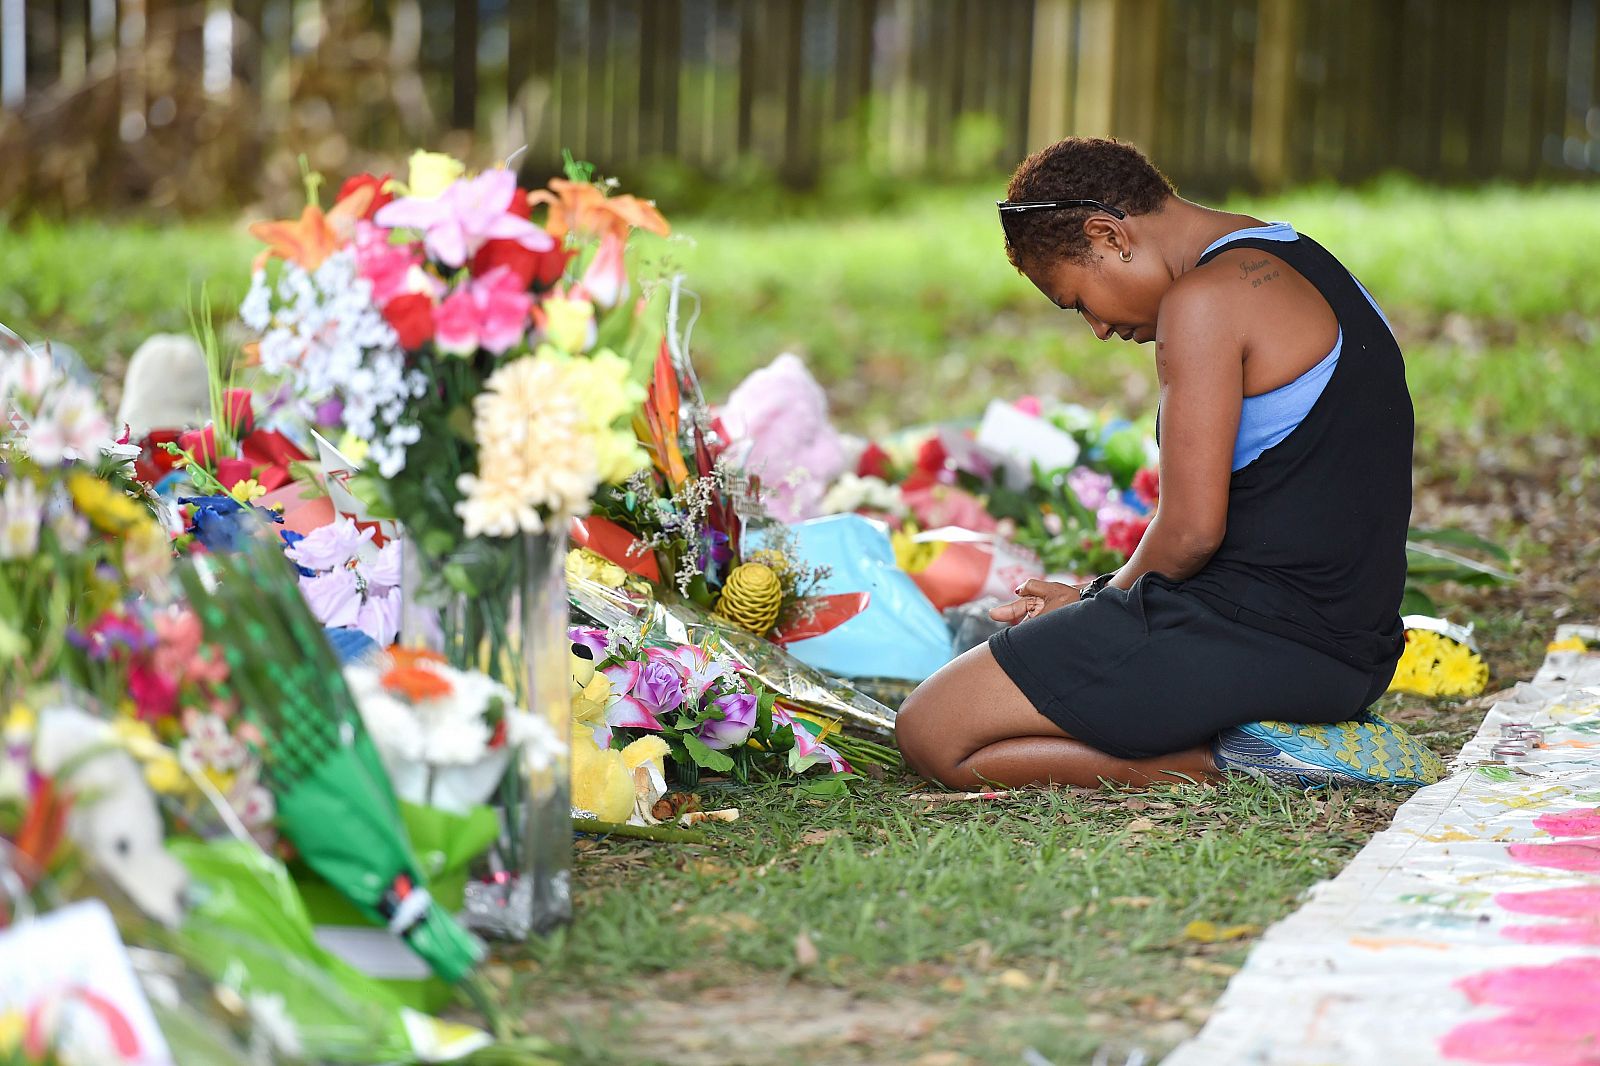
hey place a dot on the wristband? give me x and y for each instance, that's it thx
(1088, 591)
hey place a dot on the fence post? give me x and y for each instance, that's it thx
(1272, 92)
(1049, 96)
(1097, 69)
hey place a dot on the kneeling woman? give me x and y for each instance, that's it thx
(1268, 585)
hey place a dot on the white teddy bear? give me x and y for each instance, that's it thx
(114, 818)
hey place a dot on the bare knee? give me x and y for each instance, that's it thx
(925, 745)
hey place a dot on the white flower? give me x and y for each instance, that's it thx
(852, 493)
(209, 745)
(21, 510)
(392, 724)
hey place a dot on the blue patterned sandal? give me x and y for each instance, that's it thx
(1370, 750)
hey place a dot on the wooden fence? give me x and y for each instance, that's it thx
(1222, 93)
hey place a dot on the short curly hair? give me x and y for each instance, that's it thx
(1092, 168)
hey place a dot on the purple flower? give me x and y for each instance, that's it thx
(659, 687)
(1090, 488)
(384, 570)
(379, 616)
(330, 546)
(471, 211)
(334, 597)
(733, 728)
(596, 640)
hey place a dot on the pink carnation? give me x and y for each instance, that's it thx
(491, 312)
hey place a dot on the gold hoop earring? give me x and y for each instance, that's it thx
(1127, 256)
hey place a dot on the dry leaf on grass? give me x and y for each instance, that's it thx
(1204, 932)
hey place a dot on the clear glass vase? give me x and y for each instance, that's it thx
(515, 630)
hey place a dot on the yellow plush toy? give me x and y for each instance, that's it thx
(615, 786)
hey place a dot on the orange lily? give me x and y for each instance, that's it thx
(315, 235)
(581, 208)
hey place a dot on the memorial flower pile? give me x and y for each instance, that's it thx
(710, 716)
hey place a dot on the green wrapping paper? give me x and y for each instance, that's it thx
(335, 802)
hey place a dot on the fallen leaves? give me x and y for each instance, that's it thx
(1206, 932)
(806, 954)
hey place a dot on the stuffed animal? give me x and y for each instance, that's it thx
(166, 386)
(114, 819)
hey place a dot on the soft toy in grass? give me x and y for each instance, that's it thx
(113, 819)
(779, 417)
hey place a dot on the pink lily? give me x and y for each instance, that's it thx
(466, 215)
(807, 750)
(607, 277)
(626, 711)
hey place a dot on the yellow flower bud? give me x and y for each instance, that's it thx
(432, 173)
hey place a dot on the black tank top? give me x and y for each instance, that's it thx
(1315, 549)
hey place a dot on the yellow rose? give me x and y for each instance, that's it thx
(432, 173)
(107, 508)
(567, 323)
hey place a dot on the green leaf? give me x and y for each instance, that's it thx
(832, 787)
(1416, 601)
(1424, 564)
(704, 756)
(1459, 538)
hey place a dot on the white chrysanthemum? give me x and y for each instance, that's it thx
(534, 458)
(392, 725)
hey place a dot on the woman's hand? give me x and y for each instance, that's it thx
(1035, 598)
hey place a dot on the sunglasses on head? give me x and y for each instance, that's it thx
(1009, 208)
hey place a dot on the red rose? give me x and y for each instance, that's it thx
(932, 456)
(1147, 485)
(411, 315)
(201, 444)
(1124, 534)
(536, 270)
(364, 181)
(520, 206)
(874, 462)
(238, 409)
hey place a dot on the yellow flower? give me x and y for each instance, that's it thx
(1573, 643)
(432, 173)
(586, 565)
(600, 387)
(353, 448)
(165, 777)
(247, 490)
(221, 780)
(589, 705)
(567, 322)
(20, 720)
(13, 1027)
(147, 555)
(108, 509)
(1461, 672)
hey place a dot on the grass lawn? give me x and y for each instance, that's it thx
(889, 928)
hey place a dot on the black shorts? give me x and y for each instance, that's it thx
(1153, 670)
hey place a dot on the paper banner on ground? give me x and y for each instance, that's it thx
(1468, 932)
(65, 981)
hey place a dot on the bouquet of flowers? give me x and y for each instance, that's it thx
(685, 518)
(1078, 492)
(709, 716)
(445, 735)
(78, 533)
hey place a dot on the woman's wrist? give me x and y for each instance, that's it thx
(1087, 591)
